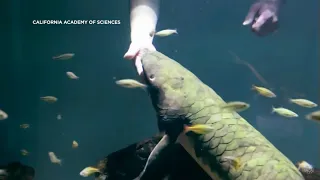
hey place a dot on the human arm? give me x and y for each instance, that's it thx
(143, 21)
(263, 15)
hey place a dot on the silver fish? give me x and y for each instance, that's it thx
(236, 106)
(3, 115)
(130, 83)
(71, 75)
(65, 56)
(49, 99)
(166, 32)
(284, 112)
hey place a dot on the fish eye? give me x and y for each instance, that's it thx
(151, 77)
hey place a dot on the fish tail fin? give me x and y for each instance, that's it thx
(97, 171)
(145, 88)
(308, 117)
(273, 109)
(176, 30)
(54, 57)
(253, 87)
(237, 60)
(290, 100)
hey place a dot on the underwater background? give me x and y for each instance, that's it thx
(103, 117)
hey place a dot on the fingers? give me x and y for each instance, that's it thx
(138, 65)
(264, 16)
(135, 48)
(132, 52)
(252, 13)
(274, 18)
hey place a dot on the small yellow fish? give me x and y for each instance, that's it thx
(264, 91)
(24, 126)
(54, 159)
(130, 83)
(284, 112)
(235, 162)
(24, 152)
(236, 106)
(199, 128)
(315, 116)
(3, 115)
(303, 102)
(71, 75)
(305, 167)
(166, 32)
(49, 99)
(75, 144)
(89, 171)
(65, 56)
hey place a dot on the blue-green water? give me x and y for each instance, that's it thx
(104, 118)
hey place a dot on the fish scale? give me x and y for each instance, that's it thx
(232, 134)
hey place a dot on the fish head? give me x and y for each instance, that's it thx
(84, 173)
(159, 70)
(172, 87)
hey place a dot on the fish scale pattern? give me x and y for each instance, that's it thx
(182, 94)
(234, 136)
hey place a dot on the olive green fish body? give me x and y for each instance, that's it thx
(180, 94)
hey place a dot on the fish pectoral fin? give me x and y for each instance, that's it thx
(163, 148)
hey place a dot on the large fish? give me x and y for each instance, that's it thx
(179, 97)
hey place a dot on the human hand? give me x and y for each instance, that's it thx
(135, 48)
(263, 15)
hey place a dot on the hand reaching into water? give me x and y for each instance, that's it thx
(135, 47)
(263, 15)
(134, 53)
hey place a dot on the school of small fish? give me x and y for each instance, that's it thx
(201, 129)
(54, 159)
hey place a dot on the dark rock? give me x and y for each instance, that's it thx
(127, 163)
(16, 171)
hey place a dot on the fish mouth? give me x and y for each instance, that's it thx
(144, 78)
(140, 67)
